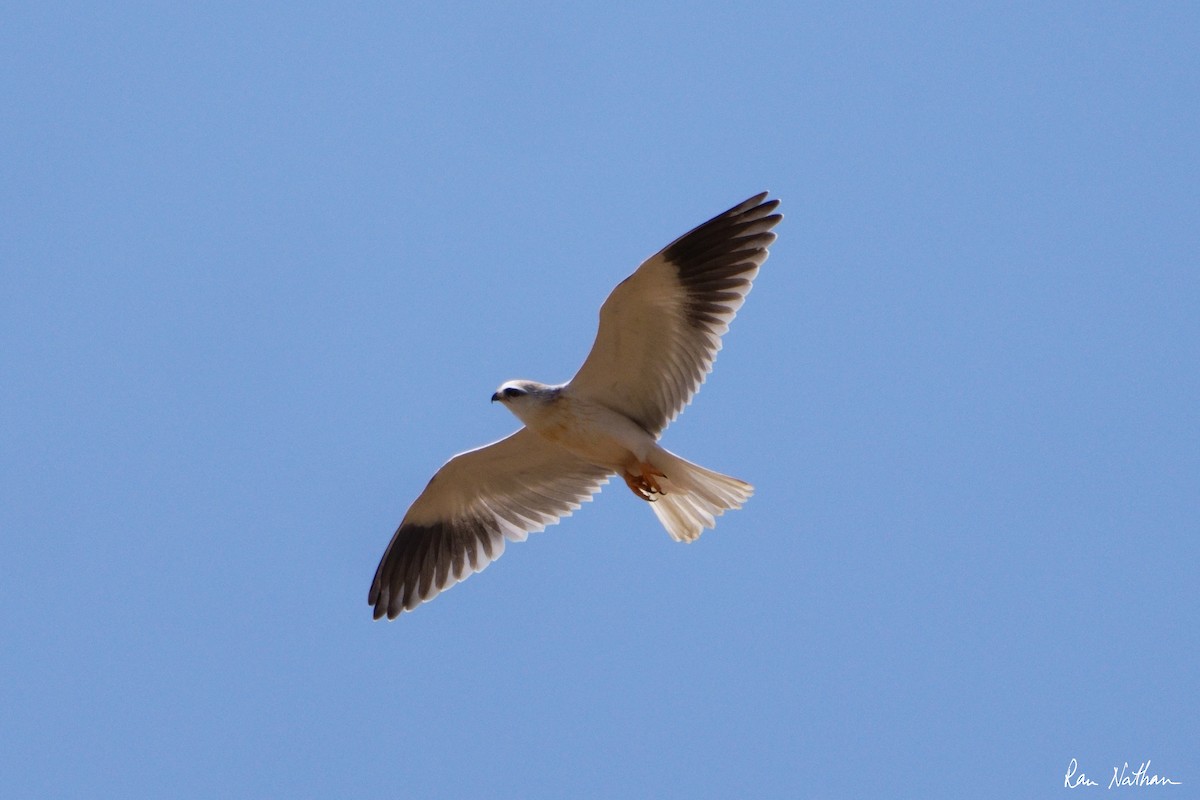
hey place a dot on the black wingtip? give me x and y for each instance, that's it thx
(757, 207)
(728, 231)
(423, 560)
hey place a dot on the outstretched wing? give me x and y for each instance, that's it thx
(661, 328)
(505, 490)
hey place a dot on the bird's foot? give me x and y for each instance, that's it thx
(644, 483)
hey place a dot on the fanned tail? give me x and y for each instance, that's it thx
(693, 497)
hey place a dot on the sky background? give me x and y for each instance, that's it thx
(263, 266)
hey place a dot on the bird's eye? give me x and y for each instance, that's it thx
(512, 392)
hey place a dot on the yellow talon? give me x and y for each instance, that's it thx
(644, 484)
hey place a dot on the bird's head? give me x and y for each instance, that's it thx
(524, 398)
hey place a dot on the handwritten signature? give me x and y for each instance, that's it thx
(1120, 778)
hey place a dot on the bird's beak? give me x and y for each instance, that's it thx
(495, 396)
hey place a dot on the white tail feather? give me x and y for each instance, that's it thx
(693, 497)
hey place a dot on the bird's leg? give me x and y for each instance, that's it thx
(633, 486)
(643, 483)
(649, 473)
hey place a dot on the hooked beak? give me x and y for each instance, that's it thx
(496, 396)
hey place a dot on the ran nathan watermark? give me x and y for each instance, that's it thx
(1122, 777)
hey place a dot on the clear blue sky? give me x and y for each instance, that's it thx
(264, 266)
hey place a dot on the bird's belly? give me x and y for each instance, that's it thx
(596, 434)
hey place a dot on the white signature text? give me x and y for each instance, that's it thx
(1121, 777)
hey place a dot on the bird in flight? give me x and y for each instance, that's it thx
(660, 330)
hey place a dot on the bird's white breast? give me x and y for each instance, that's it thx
(591, 431)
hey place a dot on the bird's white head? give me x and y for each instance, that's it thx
(526, 399)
